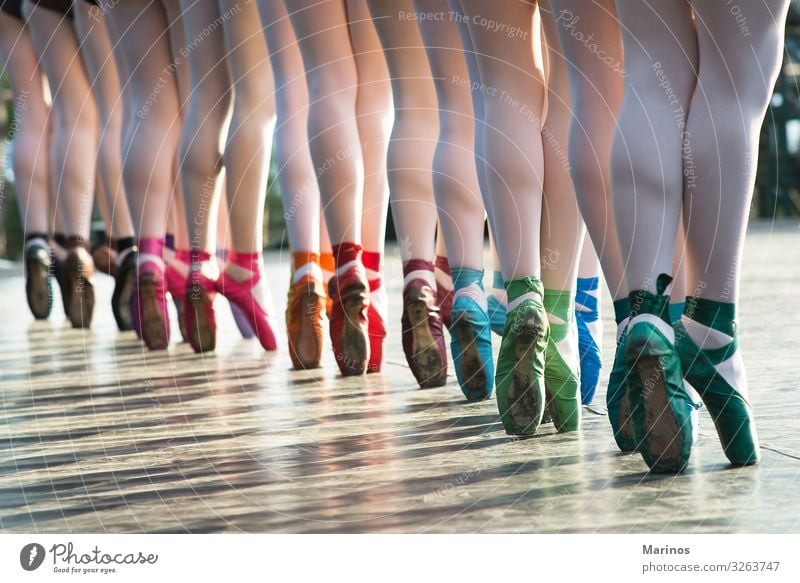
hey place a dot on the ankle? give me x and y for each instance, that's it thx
(419, 269)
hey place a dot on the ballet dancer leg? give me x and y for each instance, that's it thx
(207, 110)
(151, 134)
(306, 298)
(97, 56)
(410, 161)
(73, 150)
(375, 116)
(31, 158)
(460, 208)
(737, 71)
(247, 158)
(562, 234)
(335, 146)
(647, 170)
(514, 167)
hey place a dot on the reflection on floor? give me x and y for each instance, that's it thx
(99, 435)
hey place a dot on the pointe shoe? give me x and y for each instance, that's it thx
(251, 296)
(149, 305)
(376, 315)
(497, 307)
(587, 317)
(660, 406)
(349, 327)
(105, 259)
(239, 318)
(199, 317)
(124, 282)
(78, 274)
(177, 274)
(617, 403)
(423, 334)
(304, 315)
(471, 340)
(519, 376)
(562, 362)
(733, 417)
(444, 289)
(38, 286)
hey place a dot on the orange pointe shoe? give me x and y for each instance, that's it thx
(304, 309)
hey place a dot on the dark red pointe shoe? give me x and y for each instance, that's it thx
(349, 293)
(444, 289)
(149, 300)
(423, 329)
(349, 327)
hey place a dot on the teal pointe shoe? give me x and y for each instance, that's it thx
(471, 335)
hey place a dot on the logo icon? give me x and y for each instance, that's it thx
(31, 556)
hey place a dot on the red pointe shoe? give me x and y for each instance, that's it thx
(377, 309)
(176, 286)
(251, 296)
(444, 289)
(200, 320)
(328, 266)
(423, 334)
(349, 330)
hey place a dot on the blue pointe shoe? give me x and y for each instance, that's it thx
(471, 335)
(497, 308)
(590, 353)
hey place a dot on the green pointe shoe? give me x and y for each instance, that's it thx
(660, 407)
(562, 362)
(730, 411)
(619, 409)
(519, 373)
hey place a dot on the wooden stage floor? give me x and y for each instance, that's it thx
(99, 435)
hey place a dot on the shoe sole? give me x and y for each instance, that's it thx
(427, 358)
(306, 349)
(625, 423)
(80, 307)
(523, 396)
(471, 362)
(662, 443)
(39, 290)
(202, 335)
(353, 340)
(154, 329)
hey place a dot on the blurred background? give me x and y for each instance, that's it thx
(777, 190)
